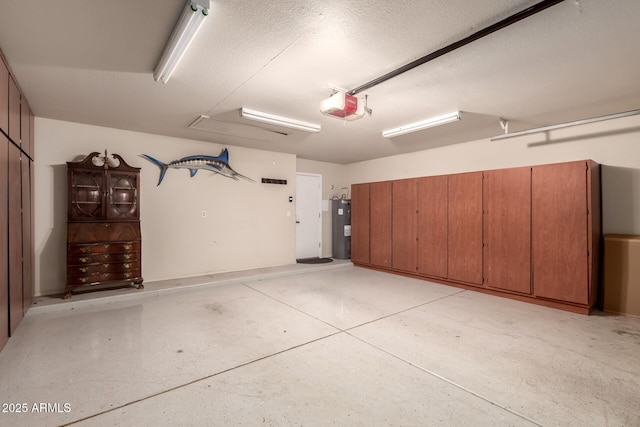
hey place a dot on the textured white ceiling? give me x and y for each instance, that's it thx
(92, 61)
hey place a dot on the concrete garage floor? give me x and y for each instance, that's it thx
(317, 346)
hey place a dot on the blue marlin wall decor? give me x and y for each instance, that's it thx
(219, 164)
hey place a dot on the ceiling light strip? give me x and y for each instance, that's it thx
(566, 125)
(197, 121)
(423, 124)
(273, 119)
(190, 21)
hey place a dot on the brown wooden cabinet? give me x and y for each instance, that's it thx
(432, 225)
(28, 279)
(16, 207)
(103, 223)
(404, 249)
(360, 223)
(465, 228)
(26, 126)
(507, 229)
(380, 223)
(16, 308)
(529, 233)
(4, 240)
(14, 112)
(565, 231)
(4, 98)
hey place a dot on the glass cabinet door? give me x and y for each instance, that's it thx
(85, 195)
(122, 196)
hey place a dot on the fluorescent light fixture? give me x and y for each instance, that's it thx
(414, 127)
(197, 121)
(278, 120)
(190, 21)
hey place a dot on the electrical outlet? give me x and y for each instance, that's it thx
(204, 214)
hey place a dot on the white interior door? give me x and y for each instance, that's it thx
(308, 215)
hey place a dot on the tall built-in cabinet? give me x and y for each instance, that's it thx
(566, 231)
(432, 197)
(404, 223)
(360, 223)
(16, 309)
(464, 228)
(380, 208)
(16, 204)
(4, 240)
(528, 233)
(506, 200)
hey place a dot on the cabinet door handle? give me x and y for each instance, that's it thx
(127, 266)
(83, 260)
(127, 247)
(107, 246)
(83, 270)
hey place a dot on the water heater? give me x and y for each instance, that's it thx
(341, 228)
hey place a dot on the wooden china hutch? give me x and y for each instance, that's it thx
(104, 244)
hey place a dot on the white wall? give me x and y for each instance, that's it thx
(246, 225)
(615, 144)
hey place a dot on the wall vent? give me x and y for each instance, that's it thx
(274, 181)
